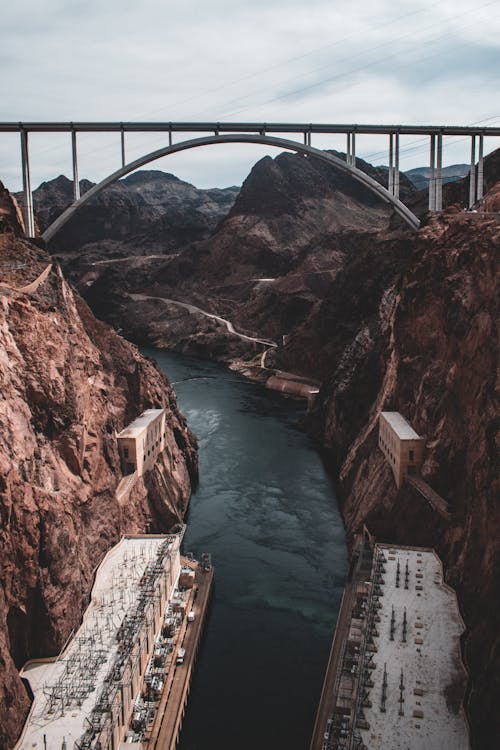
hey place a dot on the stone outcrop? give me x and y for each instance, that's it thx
(292, 222)
(147, 212)
(68, 383)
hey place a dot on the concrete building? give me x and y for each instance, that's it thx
(395, 677)
(142, 441)
(400, 444)
(84, 699)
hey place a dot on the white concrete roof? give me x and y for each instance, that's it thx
(432, 666)
(137, 427)
(400, 426)
(89, 655)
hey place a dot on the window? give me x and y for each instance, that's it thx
(125, 452)
(411, 456)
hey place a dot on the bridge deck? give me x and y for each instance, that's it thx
(247, 127)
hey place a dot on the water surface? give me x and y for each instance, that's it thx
(267, 512)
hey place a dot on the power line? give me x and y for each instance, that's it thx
(286, 62)
(357, 69)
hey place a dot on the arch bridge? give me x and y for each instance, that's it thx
(270, 134)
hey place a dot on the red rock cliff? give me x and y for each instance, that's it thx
(68, 383)
(432, 353)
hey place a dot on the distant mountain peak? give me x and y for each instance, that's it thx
(151, 175)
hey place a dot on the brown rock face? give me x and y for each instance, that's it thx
(68, 383)
(291, 221)
(432, 354)
(148, 211)
(387, 320)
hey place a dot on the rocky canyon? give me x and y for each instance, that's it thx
(319, 282)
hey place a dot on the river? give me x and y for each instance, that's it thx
(266, 510)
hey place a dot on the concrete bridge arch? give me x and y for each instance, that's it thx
(261, 139)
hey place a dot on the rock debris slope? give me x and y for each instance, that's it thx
(67, 383)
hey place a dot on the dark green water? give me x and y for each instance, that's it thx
(267, 512)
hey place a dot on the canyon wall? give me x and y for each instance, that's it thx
(431, 351)
(68, 383)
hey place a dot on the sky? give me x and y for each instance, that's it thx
(364, 61)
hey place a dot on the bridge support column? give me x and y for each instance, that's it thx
(396, 165)
(390, 181)
(438, 199)
(472, 174)
(76, 182)
(28, 215)
(432, 178)
(122, 136)
(480, 169)
(351, 149)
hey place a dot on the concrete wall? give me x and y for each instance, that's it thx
(405, 456)
(139, 453)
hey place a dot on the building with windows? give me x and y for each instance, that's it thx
(140, 443)
(400, 444)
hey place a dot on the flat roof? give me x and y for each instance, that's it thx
(401, 427)
(67, 688)
(135, 428)
(429, 660)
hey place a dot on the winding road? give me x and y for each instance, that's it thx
(127, 258)
(199, 311)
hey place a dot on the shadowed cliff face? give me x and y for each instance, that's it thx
(67, 384)
(431, 352)
(148, 211)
